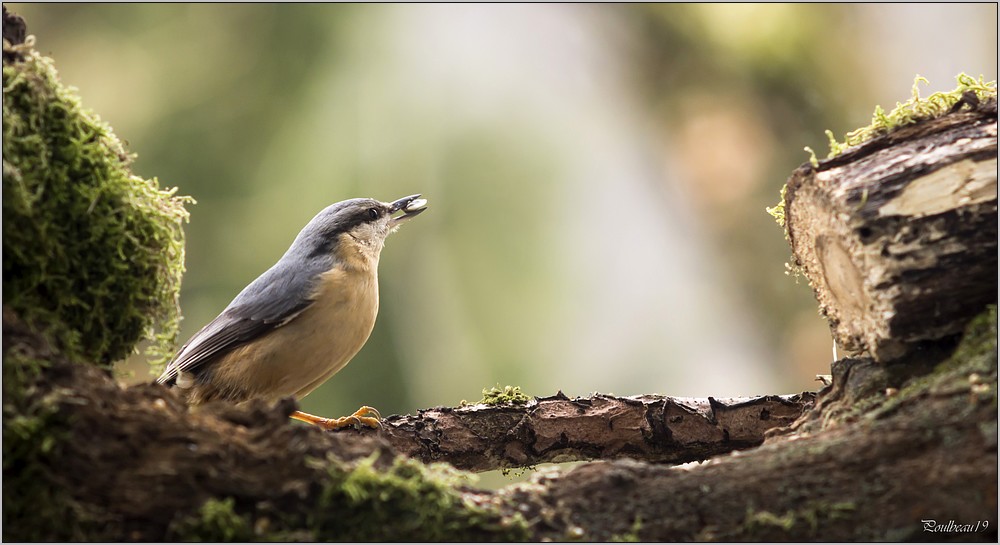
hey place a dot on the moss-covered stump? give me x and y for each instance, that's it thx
(91, 252)
(85, 459)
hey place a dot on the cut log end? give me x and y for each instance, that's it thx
(898, 237)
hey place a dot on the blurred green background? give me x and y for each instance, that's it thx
(597, 174)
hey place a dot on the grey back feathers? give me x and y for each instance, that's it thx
(276, 296)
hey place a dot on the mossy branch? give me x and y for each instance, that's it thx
(889, 447)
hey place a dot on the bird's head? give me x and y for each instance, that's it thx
(355, 228)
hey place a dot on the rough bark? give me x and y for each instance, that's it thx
(898, 237)
(893, 445)
(875, 479)
(558, 429)
(14, 33)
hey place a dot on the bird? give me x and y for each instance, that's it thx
(302, 320)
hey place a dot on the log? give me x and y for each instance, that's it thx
(898, 236)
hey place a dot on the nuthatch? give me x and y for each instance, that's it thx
(302, 320)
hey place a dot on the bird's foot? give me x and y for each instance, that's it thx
(365, 416)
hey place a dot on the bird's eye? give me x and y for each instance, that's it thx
(373, 213)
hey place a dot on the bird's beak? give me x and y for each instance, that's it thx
(410, 206)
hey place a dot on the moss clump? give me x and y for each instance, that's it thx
(91, 252)
(508, 395)
(632, 535)
(913, 110)
(364, 501)
(778, 211)
(978, 350)
(407, 501)
(972, 367)
(756, 520)
(215, 521)
(813, 515)
(35, 508)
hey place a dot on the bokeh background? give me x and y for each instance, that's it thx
(597, 174)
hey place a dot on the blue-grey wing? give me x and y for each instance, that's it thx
(269, 302)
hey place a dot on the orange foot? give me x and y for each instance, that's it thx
(361, 417)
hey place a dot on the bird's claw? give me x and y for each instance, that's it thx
(361, 417)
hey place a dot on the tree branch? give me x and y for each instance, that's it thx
(559, 429)
(877, 479)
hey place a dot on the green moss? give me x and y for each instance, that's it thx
(91, 252)
(757, 520)
(971, 368)
(978, 349)
(778, 211)
(632, 535)
(35, 508)
(813, 160)
(813, 515)
(913, 110)
(509, 395)
(364, 501)
(407, 501)
(905, 113)
(215, 521)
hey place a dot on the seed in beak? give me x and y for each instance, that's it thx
(416, 204)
